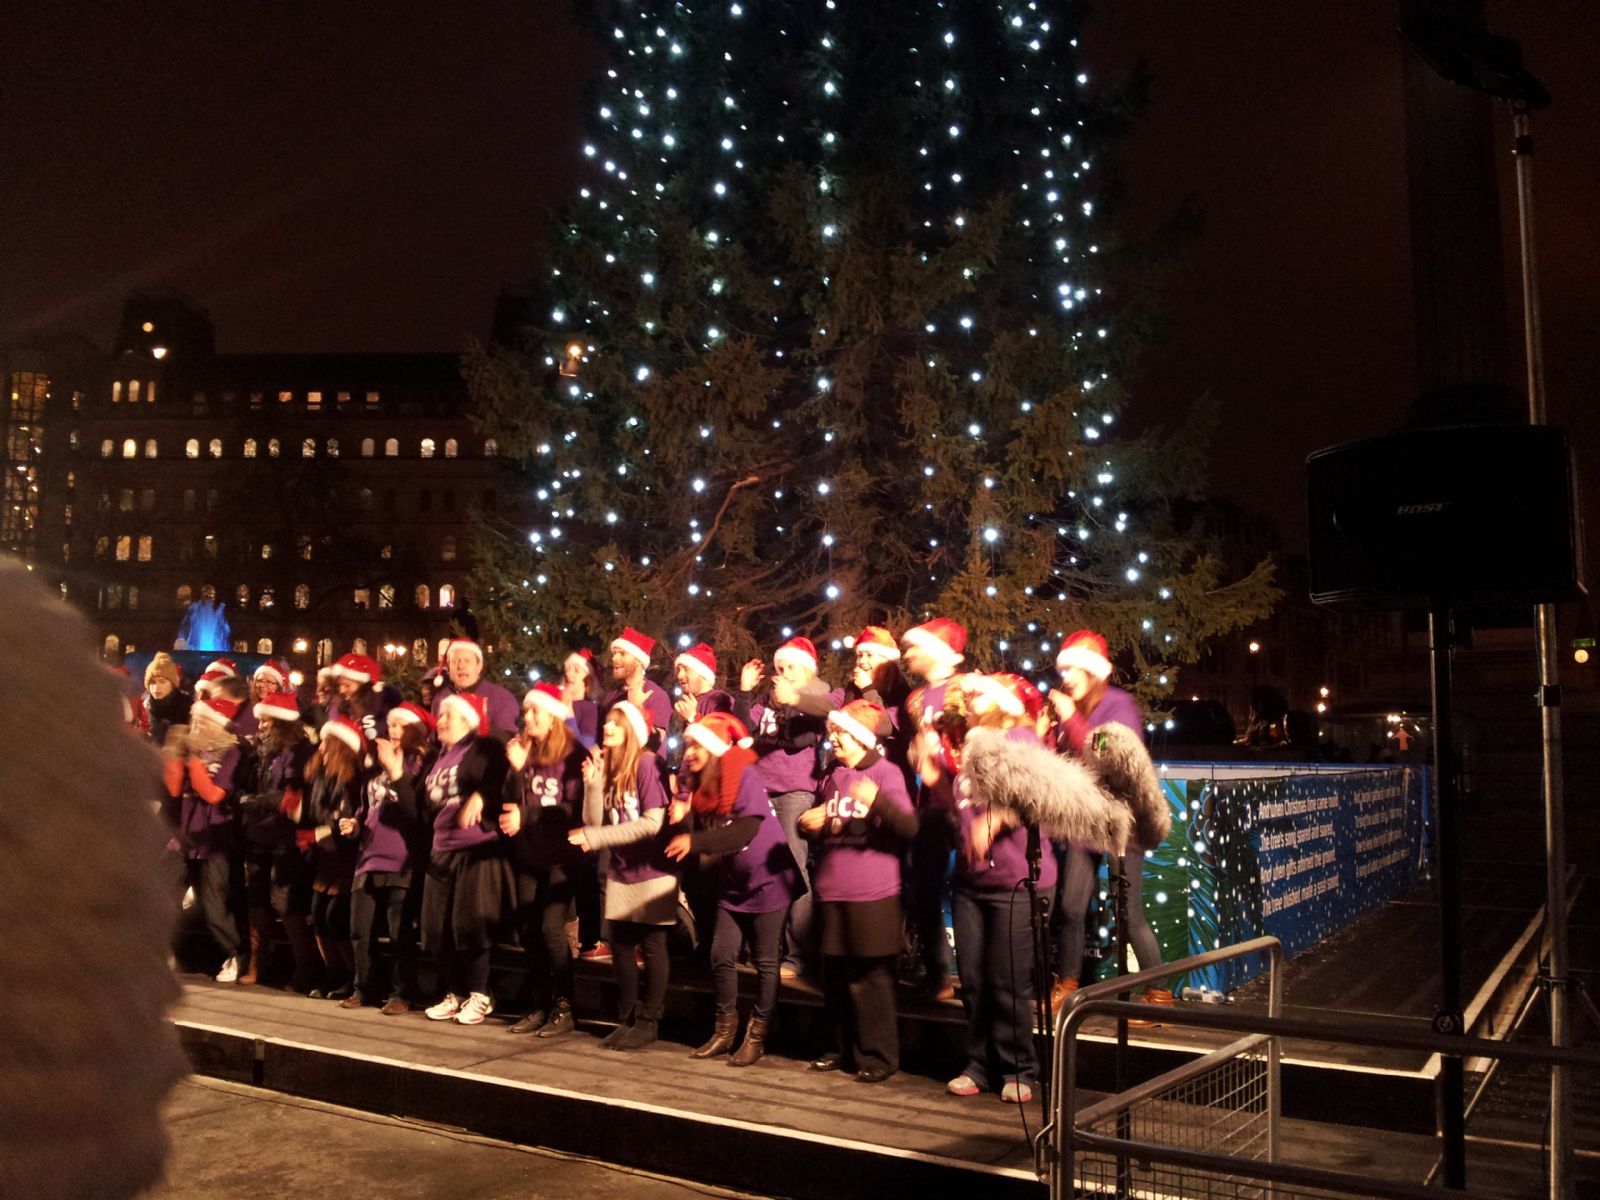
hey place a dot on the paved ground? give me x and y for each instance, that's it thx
(229, 1140)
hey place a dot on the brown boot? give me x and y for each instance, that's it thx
(1061, 993)
(727, 1027)
(755, 1042)
(1161, 996)
(258, 940)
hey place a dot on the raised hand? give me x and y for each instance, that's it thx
(751, 675)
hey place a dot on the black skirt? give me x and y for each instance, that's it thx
(472, 895)
(862, 928)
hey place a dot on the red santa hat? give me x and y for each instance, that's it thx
(584, 654)
(700, 659)
(226, 666)
(1087, 650)
(208, 681)
(1032, 699)
(348, 732)
(631, 642)
(860, 719)
(412, 714)
(280, 706)
(945, 639)
(878, 642)
(718, 733)
(471, 706)
(216, 710)
(359, 668)
(638, 720)
(549, 698)
(275, 670)
(993, 689)
(799, 650)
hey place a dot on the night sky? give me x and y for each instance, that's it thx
(365, 176)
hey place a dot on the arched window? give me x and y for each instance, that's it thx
(116, 391)
(107, 448)
(150, 448)
(490, 448)
(423, 596)
(185, 595)
(133, 391)
(216, 448)
(427, 447)
(324, 652)
(333, 447)
(303, 545)
(124, 548)
(419, 648)
(447, 596)
(249, 447)
(191, 448)
(208, 592)
(447, 548)
(266, 549)
(450, 447)
(241, 646)
(391, 447)
(368, 447)
(274, 448)
(386, 595)
(359, 646)
(133, 597)
(112, 646)
(241, 595)
(146, 547)
(302, 595)
(264, 646)
(267, 598)
(308, 448)
(130, 448)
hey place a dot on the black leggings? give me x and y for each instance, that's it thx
(544, 905)
(762, 932)
(859, 994)
(626, 936)
(330, 914)
(393, 911)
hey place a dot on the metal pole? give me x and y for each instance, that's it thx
(1448, 1020)
(1555, 836)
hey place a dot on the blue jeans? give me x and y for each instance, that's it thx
(994, 954)
(799, 938)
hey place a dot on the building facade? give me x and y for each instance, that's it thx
(317, 503)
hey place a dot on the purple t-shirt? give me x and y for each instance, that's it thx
(551, 800)
(1006, 864)
(858, 858)
(775, 728)
(1115, 706)
(763, 876)
(505, 714)
(639, 861)
(389, 838)
(206, 830)
(656, 703)
(474, 764)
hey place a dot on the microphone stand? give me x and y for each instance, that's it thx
(1119, 902)
(1038, 925)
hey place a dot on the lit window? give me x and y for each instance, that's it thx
(450, 447)
(427, 447)
(249, 447)
(256, 399)
(368, 447)
(124, 548)
(391, 447)
(208, 593)
(386, 595)
(216, 447)
(447, 596)
(358, 646)
(150, 448)
(447, 549)
(273, 448)
(372, 398)
(112, 596)
(210, 545)
(387, 550)
(185, 595)
(133, 391)
(419, 648)
(145, 547)
(191, 448)
(102, 547)
(363, 597)
(344, 398)
(266, 549)
(267, 598)
(241, 595)
(308, 448)
(130, 448)
(313, 400)
(333, 447)
(264, 646)
(241, 646)
(107, 448)
(302, 595)
(491, 448)
(324, 652)
(150, 392)
(285, 397)
(303, 545)
(125, 500)
(116, 391)
(423, 596)
(112, 645)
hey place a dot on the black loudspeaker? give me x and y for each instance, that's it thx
(1474, 514)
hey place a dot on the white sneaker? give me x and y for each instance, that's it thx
(229, 972)
(445, 1009)
(477, 1007)
(188, 899)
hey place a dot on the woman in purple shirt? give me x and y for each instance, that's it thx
(394, 846)
(468, 896)
(862, 819)
(625, 809)
(758, 877)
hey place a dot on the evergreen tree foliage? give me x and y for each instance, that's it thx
(842, 305)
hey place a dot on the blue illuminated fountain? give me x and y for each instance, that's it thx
(204, 627)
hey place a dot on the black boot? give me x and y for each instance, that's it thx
(624, 1023)
(755, 1042)
(561, 1020)
(642, 1032)
(722, 1036)
(532, 1023)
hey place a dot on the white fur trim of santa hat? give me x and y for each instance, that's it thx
(796, 650)
(935, 645)
(635, 718)
(345, 732)
(457, 700)
(696, 664)
(277, 712)
(1081, 654)
(627, 643)
(995, 692)
(705, 736)
(840, 719)
(549, 700)
(462, 643)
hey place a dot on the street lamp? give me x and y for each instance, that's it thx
(570, 361)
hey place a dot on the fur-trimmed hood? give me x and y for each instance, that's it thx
(1119, 758)
(1062, 796)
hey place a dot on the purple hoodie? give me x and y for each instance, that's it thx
(858, 855)
(474, 764)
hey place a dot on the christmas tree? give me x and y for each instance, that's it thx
(832, 337)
